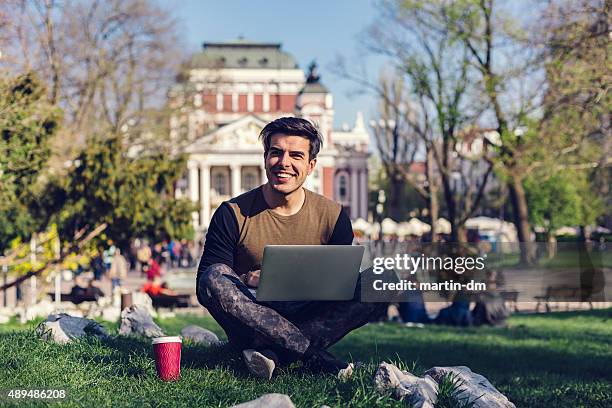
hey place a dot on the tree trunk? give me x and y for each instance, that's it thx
(434, 205)
(396, 186)
(551, 244)
(461, 233)
(521, 220)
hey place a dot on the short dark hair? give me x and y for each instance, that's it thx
(293, 127)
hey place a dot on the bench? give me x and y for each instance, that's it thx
(171, 301)
(558, 294)
(510, 296)
(76, 299)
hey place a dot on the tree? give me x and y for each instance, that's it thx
(400, 140)
(108, 64)
(27, 124)
(132, 195)
(438, 109)
(561, 199)
(577, 101)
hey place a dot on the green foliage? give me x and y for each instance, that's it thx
(27, 123)
(578, 100)
(133, 195)
(564, 198)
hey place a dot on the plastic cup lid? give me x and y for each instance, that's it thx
(168, 339)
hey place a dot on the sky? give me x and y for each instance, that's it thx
(308, 29)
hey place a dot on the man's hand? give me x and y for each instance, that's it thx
(251, 279)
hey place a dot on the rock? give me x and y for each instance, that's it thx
(4, 319)
(63, 328)
(136, 320)
(417, 391)
(43, 308)
(76, 313)
(199, 334)
(111, 314)
(7, 311)
(268, 401)
(93, 312)
(474, 388)
(144, 300)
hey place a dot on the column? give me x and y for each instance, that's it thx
(363, 193)
(264, 178)
(192, 180)
(219, 101)
(250, 101)
(205, 194)
(234, 102)
(354, 193)
(236, 175)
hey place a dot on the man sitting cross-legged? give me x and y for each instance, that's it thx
(280, 212)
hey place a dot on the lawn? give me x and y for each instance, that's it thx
(554, 360)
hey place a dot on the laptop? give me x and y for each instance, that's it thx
(309, 272)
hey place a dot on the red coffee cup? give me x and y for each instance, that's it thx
(167, 352)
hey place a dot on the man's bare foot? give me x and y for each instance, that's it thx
(260, 364)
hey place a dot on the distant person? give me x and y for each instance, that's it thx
(490, 308)
(97, 265)
(154, 269)
(458, 313)
(156, 287)
(186, 259)
(118, 270)
(93, 291)
(165, 290)
(413, 310)
(143, 254)
(77, 290)
(107, 255)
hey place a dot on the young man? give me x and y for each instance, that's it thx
(281, 212)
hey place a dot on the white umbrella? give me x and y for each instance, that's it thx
(418, 227)
(567, 231)
(374, 230)
(361, 225)
(403, 229)
(389, 226)
(484, 223)
(443, 226)
(505, 231)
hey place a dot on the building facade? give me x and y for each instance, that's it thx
(227, 94)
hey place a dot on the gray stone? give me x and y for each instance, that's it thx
(144, 300)
(7, 311)
(63, 328)
(268, 401)
(41, 309)
(136, 320)
(111, 314)
(473, 388)
(417, 391)
(199, 334)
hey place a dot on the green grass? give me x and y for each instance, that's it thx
(566, 258)
(553, 360)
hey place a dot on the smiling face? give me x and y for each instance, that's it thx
(287, 163)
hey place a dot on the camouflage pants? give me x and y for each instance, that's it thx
(288, 328)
